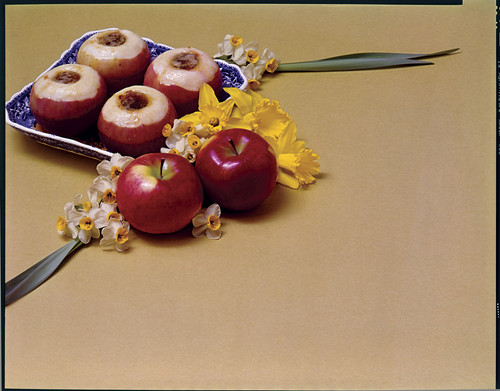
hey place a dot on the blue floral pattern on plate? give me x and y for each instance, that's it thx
(18, 112)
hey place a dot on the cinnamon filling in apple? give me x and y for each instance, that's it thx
(133, 100)
(67, 77)
(114, 38)
(186, 60)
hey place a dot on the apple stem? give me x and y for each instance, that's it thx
(230, 140)
(161, 167)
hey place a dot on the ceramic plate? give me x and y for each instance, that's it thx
(18, 113)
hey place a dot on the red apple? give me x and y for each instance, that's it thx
(67, 99)
(238, 169)
(120, 56)
(180, 73)
(159, 193)
(131, 121)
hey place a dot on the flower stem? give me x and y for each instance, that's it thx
(360, 61)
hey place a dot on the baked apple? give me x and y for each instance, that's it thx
(180, 73)
(120, 56)
(67, 99)
(131, 120)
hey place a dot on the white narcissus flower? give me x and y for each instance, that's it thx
(68, 224)
(90, 223)
(112, 168)
(116, 235)
(103, 188)
(269, 60)
(208, 222)
(231, 47)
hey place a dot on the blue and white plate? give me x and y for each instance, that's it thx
(18, 113)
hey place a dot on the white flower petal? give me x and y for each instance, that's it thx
(213, 209)
(199, 220)
(211, 234)
(199, 231)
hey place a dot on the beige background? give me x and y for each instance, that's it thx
(380, 275)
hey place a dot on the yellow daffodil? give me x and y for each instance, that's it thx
(268, 119)
(207, 222)
(297, 164)
(213, 114)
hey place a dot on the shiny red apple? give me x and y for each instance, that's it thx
(179, 73)
(238, 169)
(67, 99)
(120, 56)
(131, 121)
(159, 193)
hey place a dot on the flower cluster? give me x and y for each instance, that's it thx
(98, 214)
(253, 63)
(298, 165)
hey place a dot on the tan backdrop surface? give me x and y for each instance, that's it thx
(380, 275)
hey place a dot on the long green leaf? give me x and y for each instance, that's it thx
(33, 277)
(359, 61)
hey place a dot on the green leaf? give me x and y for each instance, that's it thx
(33, 277)
(359, 61)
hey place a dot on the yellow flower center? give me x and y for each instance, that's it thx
(191, 157)
(113, 215)
(109, 196)
(167, 130)
(236, 40)
(214, 121)
(252, 56)
(213, 222)
(61, 223)
(253, 84)
(174, 151)
(272, 65)
(87, 206)
(187, 128)
(213, 118)
(115, 171)
(194, 141)
(86, 223)
(121, 235)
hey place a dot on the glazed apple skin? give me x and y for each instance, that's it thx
(135, 132)
(121, 64)
(67, 109)
(241, 177)
(182, 86)
(159, 200)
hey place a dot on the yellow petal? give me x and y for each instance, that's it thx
(192, 117)
(234, 122)
(207, 96)
(288, 180)
(227, 106)
(287, 140)
(288, 161)
(243, 100)
(308, 167)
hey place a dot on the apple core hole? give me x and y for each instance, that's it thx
(114, 38)
(133, 100)
(185, 60)
(67, 77)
